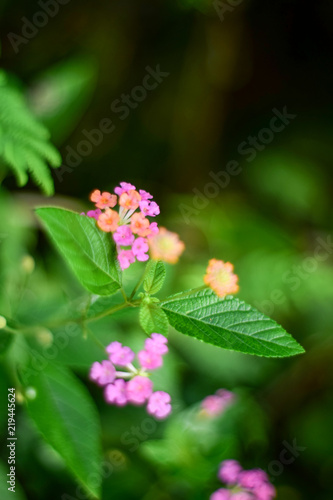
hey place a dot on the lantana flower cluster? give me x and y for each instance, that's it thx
(217, 403)
(221, 278)
(243, 484)
(132, 385)
(129, 226)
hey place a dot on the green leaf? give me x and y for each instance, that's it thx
(159, 452)
(5, 494)
(89, 251)
(61, 93)
(153, 319)
(24, 142)
(6, 338)
(65, 414)
(228, 323)
(155, 276)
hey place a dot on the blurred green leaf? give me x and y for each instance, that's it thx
(66, 416)
(6, 339)
(192, 446)
(24, 142)
(73, 349)
(228, 323)
(155, 276)
(89, 251)
(153, 319)
(61, 94)
(292, 183)
(159, 452)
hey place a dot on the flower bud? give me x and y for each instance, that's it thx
(30, 393)
(28, 264)
(3, 322)
(44, 337)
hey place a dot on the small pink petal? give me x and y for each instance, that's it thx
(159, 404)
(116, 393)
(150, 360)
(139, 389)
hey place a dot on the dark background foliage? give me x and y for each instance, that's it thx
(225, 79)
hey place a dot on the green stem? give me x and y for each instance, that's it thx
(21, 293)
(108, 312)
(95, 339)
(86, 309)
(12, 373)
(10, 330)
(135, 289)
(31, 329)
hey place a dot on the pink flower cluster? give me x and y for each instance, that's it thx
(133, 385)
(243, 484)
(217, 403)
(130, 228)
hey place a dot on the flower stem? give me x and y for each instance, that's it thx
(135, 289)
(124, 374)
(10, 330)
(31, 329)
(108, 312)
(96, 340)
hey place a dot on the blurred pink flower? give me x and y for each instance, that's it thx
(139, 389)
(102, 373)
(220, 277)
(166, 246)
(216, 404)
(116, 393)
(159, 404)
(150, 360)
(120, 355)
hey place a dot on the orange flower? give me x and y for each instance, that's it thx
(220, 277)
(130, 200)
(140, 225)
(166, 246)
(108, 221)
(103, 200)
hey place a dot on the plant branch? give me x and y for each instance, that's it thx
(112, 310)
(135, 289)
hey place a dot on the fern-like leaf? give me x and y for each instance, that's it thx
(24, 142)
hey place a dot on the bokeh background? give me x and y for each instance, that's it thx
(225, 74)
